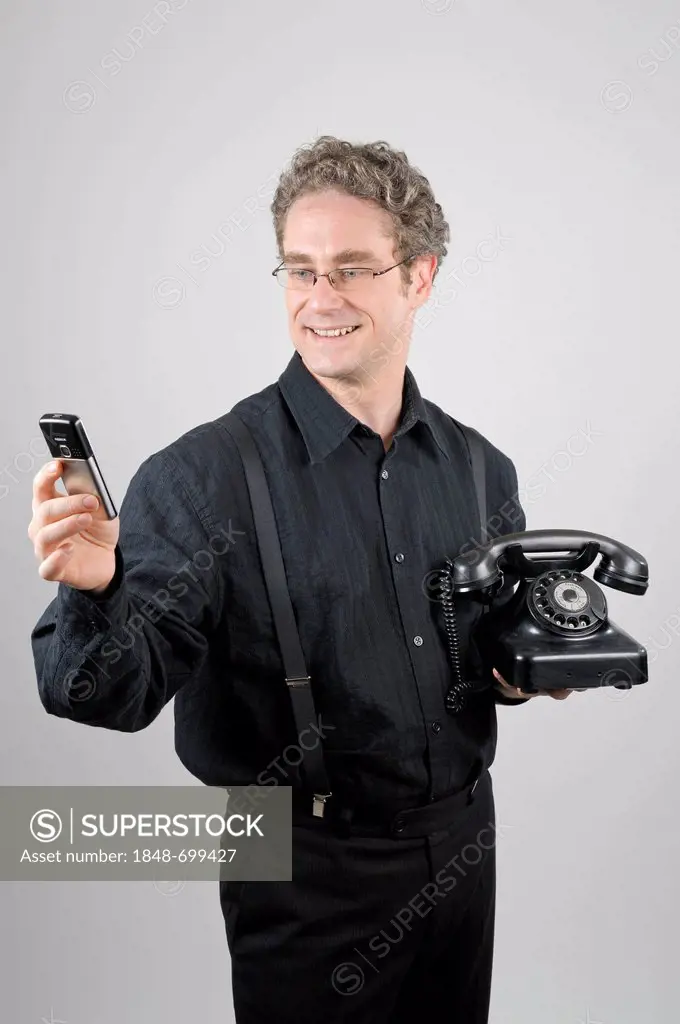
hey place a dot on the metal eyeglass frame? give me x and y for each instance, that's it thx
(376, 273)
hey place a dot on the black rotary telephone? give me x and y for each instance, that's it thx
(554, 631)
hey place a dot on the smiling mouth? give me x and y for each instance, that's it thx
(333, 332)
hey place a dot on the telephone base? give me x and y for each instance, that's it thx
(533, 660)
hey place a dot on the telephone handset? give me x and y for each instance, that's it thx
(554, 631)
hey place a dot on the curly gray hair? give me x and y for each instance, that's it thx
(373, 171)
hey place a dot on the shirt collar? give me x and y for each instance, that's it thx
(324, 423)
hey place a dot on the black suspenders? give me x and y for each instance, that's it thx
(476, 450)
(297, 677)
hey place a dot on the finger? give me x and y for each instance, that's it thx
(50, 537)
(504, 687)
(512, 691)
(54, 567)
(560, 694)
(55, 509)
(502, 681)
(44, 483)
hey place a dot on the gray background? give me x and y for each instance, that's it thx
(549, 123)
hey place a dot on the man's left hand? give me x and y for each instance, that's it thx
(516, 692)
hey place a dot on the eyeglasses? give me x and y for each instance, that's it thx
(343, 280)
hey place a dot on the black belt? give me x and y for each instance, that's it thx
(313, 771)
(403, 824)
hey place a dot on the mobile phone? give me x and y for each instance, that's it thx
(67, 441)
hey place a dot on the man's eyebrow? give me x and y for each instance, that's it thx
(357, 256)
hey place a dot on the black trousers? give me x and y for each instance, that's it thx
(386, 929)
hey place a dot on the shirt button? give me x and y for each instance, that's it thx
(436, 726)
(418, 641)
(384, 474)
(399, 825)
(399, 557)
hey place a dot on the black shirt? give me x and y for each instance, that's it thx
(361, 531)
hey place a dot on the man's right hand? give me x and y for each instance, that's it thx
(78, 552)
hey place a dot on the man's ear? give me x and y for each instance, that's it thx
(423, 277)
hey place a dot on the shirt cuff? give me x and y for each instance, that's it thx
(83, 613)
(114, 585)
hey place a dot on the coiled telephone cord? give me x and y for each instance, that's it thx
(457, 697)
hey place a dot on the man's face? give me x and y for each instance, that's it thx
(329, 231)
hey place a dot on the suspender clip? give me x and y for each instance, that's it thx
(319, 804)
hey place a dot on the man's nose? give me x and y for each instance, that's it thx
(324, 295)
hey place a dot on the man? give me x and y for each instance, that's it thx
(372, 490)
